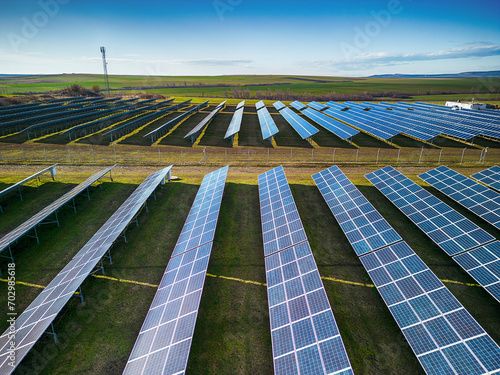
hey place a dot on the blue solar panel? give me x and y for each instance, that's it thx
(317, 106)
(305, 336)
(279, 105)
(446, 227)
(267, 125)
(472, 195)
(40, 314)
(365, 228)
(301, 126)
(298, 105)
(259, 105)
(433, 321)
(443, 335)
(235, 124)
(483, 264)
(164, 340)
(490, 177)
(338, 128)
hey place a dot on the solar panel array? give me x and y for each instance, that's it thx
(40, 314)
(305, 337)
(338, 128)
(443, 335)
(483, 264)
(7, 240)
(235, 124)
(51, 169)
(298, 105)
(317, 106)
(450, 230)
(362, 224)
(490, 177)
(259, 105)
(165, 128)
(447, 228)
(279, 105)
(164, 340)
(472, 195)
(301, 126)
(267, 125)
(195, 132)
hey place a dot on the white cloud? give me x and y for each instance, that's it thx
(364, 61)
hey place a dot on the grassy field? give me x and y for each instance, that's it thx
(232, 334)
(423, 88)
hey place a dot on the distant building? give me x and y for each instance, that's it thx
(471, 105)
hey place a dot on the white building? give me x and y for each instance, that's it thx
(471, 105)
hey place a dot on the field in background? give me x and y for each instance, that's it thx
(232, 333)
(425, 89)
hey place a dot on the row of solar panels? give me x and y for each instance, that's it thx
(305, 338)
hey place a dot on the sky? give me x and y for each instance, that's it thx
(225, 37)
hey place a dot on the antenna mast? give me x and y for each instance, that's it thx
(105, 66)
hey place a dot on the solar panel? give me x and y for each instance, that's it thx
(317, 106)
(301, 126)
(164, 341)
(490, 177)
(31, 223)
(165, 128)
(305, 337)
(443, 335)
(298, 105)
(338, 128)
(17, 185)
(362, 224)
(483, 264)
(195, 132)
(279, 105)
(267, 125)
(259, 105)
(472, 195)
(447, 228)
(235, 124)
(240, 104)
(40, 314)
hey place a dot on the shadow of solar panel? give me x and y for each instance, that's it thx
(38, 316)
(363, 226)
(475, 197)
(164, 341)
(305, 336)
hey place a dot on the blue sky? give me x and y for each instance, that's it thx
(215, 37)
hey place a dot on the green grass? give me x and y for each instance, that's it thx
(424, 88)
(232, 333)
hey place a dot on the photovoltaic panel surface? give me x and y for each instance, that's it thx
(301, 126)
(39, 217)
(362, 224)
(317, 106)
(443, 335)
(490, 177)
(483, 264)
(298, 105)
(279, 105)
(479, 199)
(38, 316)
(259, 105)
(33, 176)
(267, 125)
(447, 228)
(338, 128)
(235, 124)
(305, 337)
(164, 341)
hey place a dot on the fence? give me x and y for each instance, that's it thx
(137, 155)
